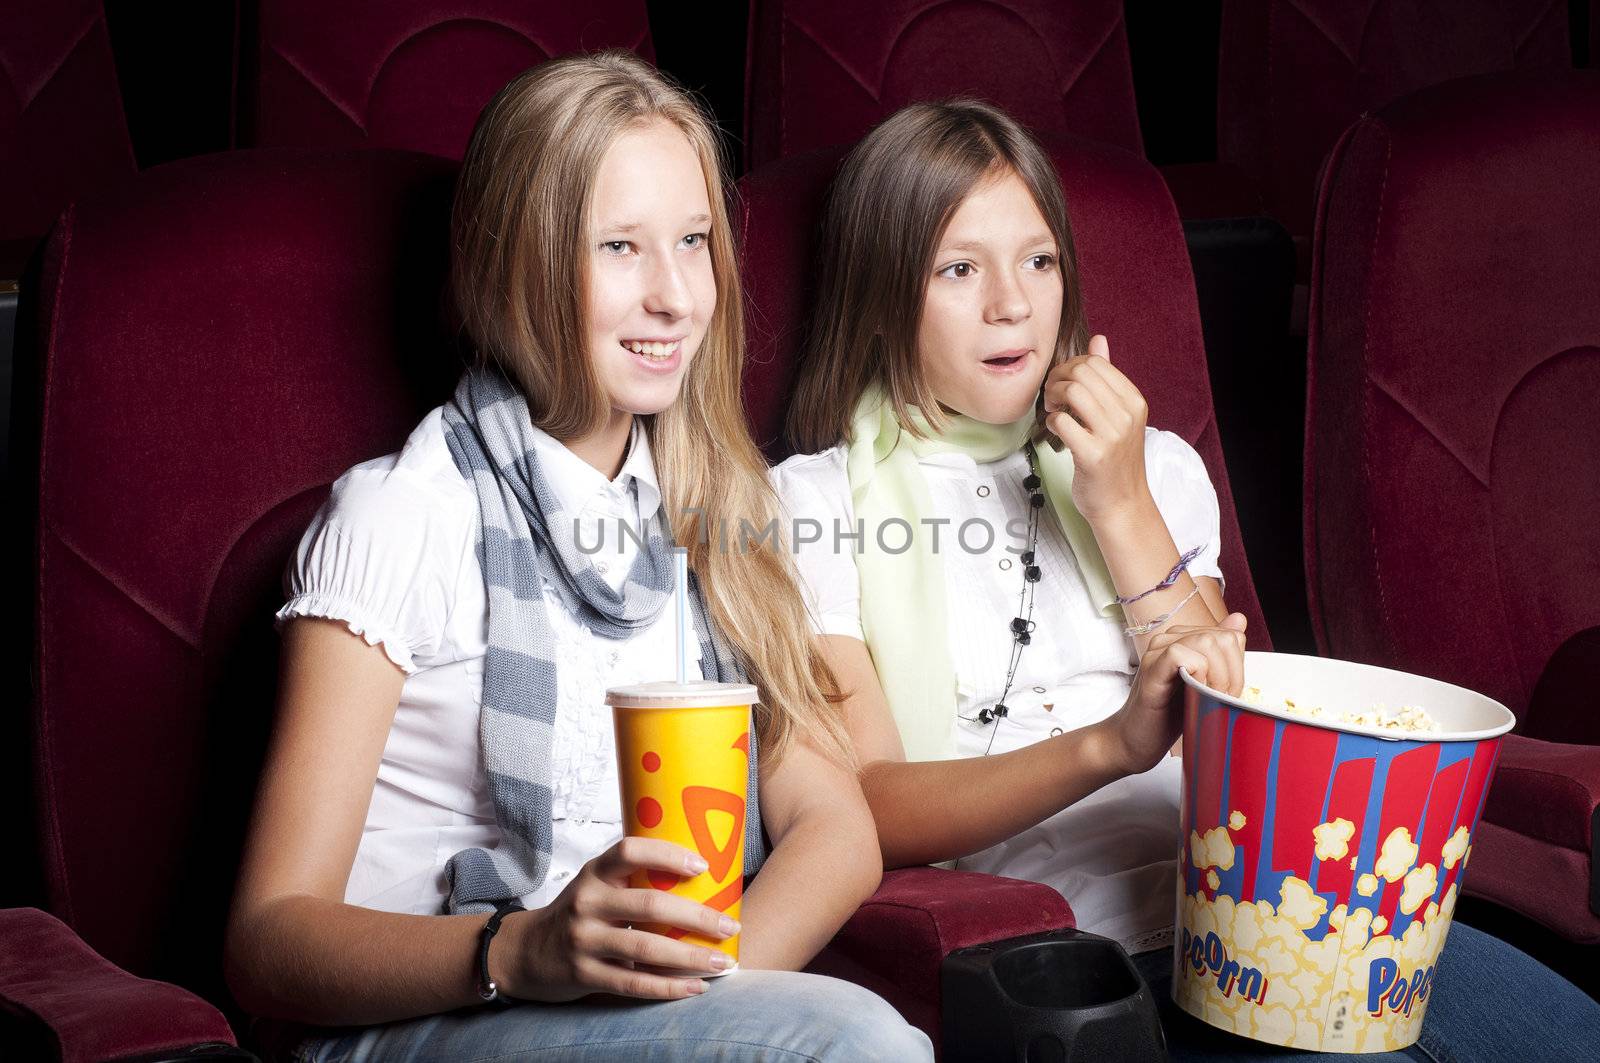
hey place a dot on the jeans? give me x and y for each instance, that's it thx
(1493, 1003)
(778, 1016)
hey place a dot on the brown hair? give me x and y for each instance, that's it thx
(893, 197)
(518, 277)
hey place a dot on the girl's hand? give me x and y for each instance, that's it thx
(581, 942)
(1100, 416)
(1151, 720)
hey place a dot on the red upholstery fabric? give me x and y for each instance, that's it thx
(409, 74)
(1453, 470)
(822, 72)
(1293, 73)
(62, 132)
(1137, 289)
(92, 1010)
(220, 340)
(1452, 492)
(929, 913)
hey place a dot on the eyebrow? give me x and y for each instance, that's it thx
(979, 245)
(633, 226)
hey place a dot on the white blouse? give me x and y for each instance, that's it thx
(1113, 854)
(393, 555)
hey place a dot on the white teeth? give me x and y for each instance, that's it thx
(659, 351)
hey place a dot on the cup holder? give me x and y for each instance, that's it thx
(1064, 996)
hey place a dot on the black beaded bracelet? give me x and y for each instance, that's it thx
(486, 987)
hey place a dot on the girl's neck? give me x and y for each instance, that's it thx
(607, 446)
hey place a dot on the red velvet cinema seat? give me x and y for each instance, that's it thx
(209, 349)
(1453, 454)
(409, 74)
(1293, 73)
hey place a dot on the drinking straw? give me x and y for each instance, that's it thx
(680, 593)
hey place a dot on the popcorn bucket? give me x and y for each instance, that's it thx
(1323, 856)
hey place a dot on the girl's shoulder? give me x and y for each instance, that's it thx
(416, 487)
(806, 482)
(1169, 457)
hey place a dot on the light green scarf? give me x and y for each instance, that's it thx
(903, 611)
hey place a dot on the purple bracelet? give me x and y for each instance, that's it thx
(1172, 577)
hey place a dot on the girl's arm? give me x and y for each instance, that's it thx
(824, 861)
(1100, 415)
(941, 810)
(295, 950)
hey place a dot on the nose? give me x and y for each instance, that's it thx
(667, 291)
(1005, 302)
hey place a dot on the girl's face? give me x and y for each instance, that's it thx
(993, 304)
(651, 286)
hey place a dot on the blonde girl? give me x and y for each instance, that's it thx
(442, 753)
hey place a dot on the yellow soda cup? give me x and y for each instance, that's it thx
(683, 761)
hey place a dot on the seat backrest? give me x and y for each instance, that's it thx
(411, 74)
(62, 131)
(217, 341)
(1452, 491)
(1137, 289)
(823, 72)
(1293, 73)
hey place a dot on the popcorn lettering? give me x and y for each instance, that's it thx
(1207, 956)
(1386, 987)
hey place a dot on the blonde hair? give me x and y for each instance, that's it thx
(519, 273)
(894, 195)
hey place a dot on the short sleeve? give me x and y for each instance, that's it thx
(382, 556)
(1186, 499)
(815, 495)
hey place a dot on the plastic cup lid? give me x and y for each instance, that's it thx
(699, 694)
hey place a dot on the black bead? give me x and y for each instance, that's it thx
(1024, 638)
(1001, 710)
(984, 716)
(1032, 482)
(1032, 574)
(1027, 557)
(1019, 625)
(1036, 501)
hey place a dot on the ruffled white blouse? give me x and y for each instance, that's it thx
(393, 555)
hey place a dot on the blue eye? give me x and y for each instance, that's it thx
(695, 241)
(616, 247)
(957, 270)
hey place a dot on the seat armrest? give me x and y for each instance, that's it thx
(61, 993)
(1548, 791)
(896, 942)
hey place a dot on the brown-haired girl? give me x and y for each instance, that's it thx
(1008, 620)
(443, 754)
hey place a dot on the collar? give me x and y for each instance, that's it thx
(576, 482)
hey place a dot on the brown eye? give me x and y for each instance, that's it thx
(957, 270)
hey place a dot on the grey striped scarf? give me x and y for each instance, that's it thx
(525, 538)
